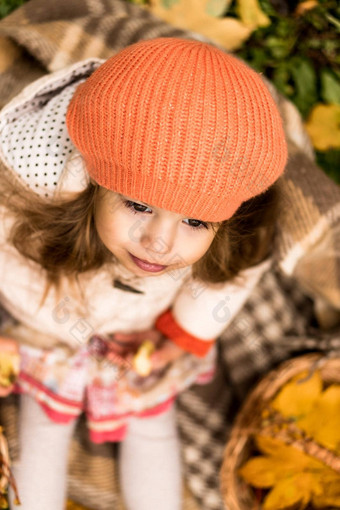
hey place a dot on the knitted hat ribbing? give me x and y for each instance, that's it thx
(179, 125)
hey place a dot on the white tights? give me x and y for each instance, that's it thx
(149, 462)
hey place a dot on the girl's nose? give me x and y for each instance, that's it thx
(158, 236)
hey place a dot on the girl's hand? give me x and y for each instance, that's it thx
(136, 339)
(167, 352)
(126, 344)
(9, 364)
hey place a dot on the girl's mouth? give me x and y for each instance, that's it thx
(146, 266)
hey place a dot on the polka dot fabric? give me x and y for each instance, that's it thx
(34, 139)
(37, 144)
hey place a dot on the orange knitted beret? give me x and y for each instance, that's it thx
(179, 125)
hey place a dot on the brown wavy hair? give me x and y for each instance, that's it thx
(60, 234)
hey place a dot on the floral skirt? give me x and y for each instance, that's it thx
(107, 392)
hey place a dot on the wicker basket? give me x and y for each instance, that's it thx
(236, 492)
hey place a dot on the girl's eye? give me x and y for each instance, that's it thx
(135, 207)
(196, 224)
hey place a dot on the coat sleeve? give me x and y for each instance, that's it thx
(201, 311)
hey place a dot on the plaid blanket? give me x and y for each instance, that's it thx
(279, 319)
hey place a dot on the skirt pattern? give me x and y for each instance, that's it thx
(107, 392)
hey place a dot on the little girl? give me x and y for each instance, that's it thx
(138, 203)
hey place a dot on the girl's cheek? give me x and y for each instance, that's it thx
(133, 229)
(193, 254)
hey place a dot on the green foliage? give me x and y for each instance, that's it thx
(7, 6)
(329, 161)
(330, 86)
(300, 53)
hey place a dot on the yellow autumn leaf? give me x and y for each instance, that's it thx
(9, 368)
(290, 491)
(287, 454)
(262, 471)
(323, 126)
(330, 496)
(142, 359)
(297, 397)
(251, 14)
(323, 421)
(305, 6)
(276, 448)
(3, 502)
(71, 505)
(192, 15)
(295, 477)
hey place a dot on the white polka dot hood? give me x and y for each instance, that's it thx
(34, 140)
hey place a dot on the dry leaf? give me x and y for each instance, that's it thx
(303, 7)
(296, 478)
(251, 14)
(262, 471)
(9, 368)
(287, 454)
(217, 8)
(281, 462)
(323, 422)
(276, 448)
(292, 490)
(142, 360)
(323, 126)
(71, 505)
(330, 496)
(192, 15)
(3, 502)
(296, 399)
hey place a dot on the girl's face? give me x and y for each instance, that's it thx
(147, 240)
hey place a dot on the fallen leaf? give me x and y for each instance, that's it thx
(297, 398)
(192, 15)
(296, 489)
(217, 8)
(296, 479)
(71, 505)
(3, 503)
(323, 421)
(287, 454)
(323, 126)
(262, 471)
(142, 359)
(9, 368)
(303, 7)
(330, 495)
(251, 14)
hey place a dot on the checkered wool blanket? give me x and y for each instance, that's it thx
(279, 319)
